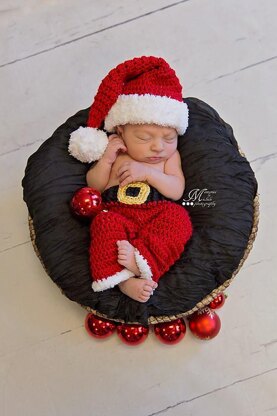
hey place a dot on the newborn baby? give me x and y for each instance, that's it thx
(143, 155)
(141, 231)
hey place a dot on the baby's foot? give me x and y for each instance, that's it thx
(137, 288)
(126, 256)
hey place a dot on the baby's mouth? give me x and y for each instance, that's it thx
(154, 158)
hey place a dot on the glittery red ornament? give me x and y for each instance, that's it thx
(170, 332)
(99, 327)
(218, 302)
(86, 202)
(132, 334)
(204, 324)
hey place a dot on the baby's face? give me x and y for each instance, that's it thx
(149, 143)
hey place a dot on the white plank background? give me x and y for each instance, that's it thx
(53, 57)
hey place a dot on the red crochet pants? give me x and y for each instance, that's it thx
(158, 230)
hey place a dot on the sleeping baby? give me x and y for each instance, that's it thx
(141, 230)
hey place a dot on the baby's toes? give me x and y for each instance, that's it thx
(143, 298)
(147, 290)
(123, 244)
(152, 285)
(121, 248)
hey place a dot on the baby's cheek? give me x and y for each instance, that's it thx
(171, 151)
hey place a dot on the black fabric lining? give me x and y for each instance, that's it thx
(210, 160)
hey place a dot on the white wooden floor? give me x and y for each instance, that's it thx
(53, 56)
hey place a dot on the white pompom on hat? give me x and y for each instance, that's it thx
(87, 144)
(142, 90)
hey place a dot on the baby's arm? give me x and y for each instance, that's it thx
(98, 176)
(171, 183)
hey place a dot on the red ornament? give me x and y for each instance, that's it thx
(86, 202)
(170, 332)
(205, 323)
(218, 302)
(132, 334)
(99, 327)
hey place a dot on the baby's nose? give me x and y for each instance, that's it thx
(157, 146)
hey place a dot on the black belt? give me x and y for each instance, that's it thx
(134, 193)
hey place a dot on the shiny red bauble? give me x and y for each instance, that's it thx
(86, 202)
(218, 302)
(99, 327)
(132, 334)
(204, 324)
(170, 332)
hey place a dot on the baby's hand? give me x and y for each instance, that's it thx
(115, 145)
(132, 171)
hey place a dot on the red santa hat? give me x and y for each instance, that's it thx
(142, 90)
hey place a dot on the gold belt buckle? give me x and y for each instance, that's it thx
(131, 200)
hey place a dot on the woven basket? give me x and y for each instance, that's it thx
(207, 299)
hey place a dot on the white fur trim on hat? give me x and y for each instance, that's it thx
(148, 109)
(87, 144)
(111, 281)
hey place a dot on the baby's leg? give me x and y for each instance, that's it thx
(105, 230)
(138, 289)
(161, 240)
(126, 256)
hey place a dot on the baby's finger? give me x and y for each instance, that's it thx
(120, 146)
(116, 143)
(126, 181)
(123, 148)
(123, 168)
(123, 176)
